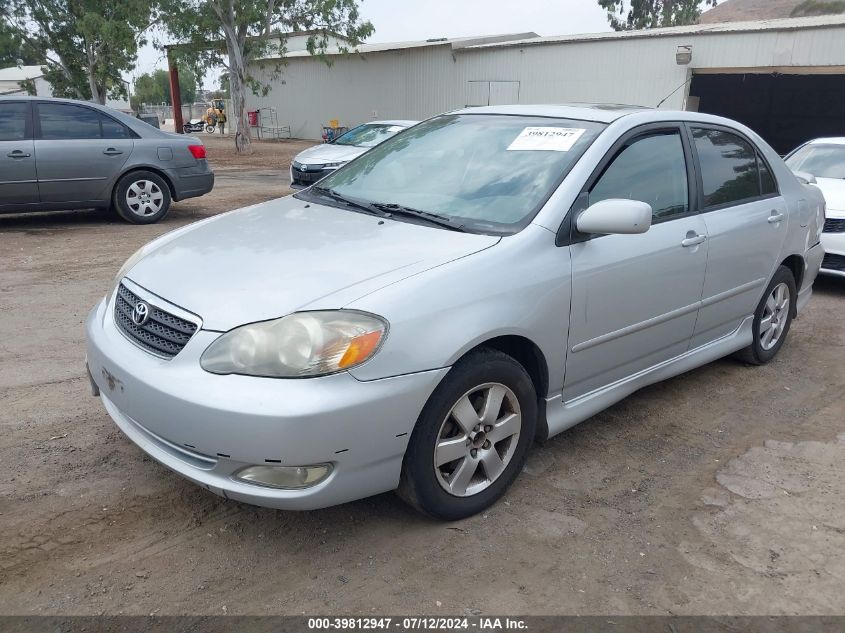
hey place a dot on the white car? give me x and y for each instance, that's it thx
(319, 161)
(824, 159)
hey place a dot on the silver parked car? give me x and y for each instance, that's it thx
(63, 154)
(822, 161)
(316, 162)
(484, 279)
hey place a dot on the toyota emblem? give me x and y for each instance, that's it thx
(141, 313)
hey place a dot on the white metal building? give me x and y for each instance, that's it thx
(785, 78)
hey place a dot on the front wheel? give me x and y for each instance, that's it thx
(209, 129)
(772, 319)
(472, 437)
(142, 197)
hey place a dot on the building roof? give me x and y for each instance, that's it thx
(20, 73)
(454, 42)
(742, 10)
(789, 24)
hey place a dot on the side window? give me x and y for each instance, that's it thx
(60, 121)
(650, 169)
(13, 121)
(112, 128)
(768, 185)
(728, 167)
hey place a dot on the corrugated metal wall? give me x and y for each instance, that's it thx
(416, 83)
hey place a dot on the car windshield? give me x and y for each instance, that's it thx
(820, 160)
(490, 173)
(368, 135)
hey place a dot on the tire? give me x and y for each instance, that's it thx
(209, 129)
(141, 197)
(774, 308)
(493, 463)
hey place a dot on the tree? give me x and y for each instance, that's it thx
(818, 7)
(238, 33)
(13, 50)
(87, 44)
(625, 15)
(154, 88)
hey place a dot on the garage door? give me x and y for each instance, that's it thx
(785, 109)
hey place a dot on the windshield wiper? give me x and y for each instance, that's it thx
(349, 202)
(433, 218)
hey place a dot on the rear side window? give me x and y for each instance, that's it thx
(113, 129)
(729, 171)
(650, 169)
(768, 185)
(13, 121)
(62, 121)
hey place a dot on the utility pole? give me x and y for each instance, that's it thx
(175, 95)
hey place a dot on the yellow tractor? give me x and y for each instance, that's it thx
(215, 116)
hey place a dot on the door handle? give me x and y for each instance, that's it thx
(18, 154)
(776, 217)
(112, 152)
(693, 240)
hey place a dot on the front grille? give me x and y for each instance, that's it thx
(309, 176)
(163, 334)
(834, 262)
(834, 225)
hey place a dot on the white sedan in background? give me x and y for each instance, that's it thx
(824, 158)
(316, 162)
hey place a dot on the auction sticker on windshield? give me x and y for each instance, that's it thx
(553, 139)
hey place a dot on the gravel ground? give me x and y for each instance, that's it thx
(717, 492)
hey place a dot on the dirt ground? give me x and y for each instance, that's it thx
(717, 492)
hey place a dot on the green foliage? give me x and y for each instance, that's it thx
(238, 33)
(87, 44)
(625, 15)
(818, 7)
(13, 49)
(154, 88)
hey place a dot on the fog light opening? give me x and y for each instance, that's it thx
(284, 477)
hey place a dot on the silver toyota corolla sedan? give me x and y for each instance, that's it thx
(480, 281)
(64, 154)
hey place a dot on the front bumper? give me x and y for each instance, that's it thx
(834, 259)
(206, 427)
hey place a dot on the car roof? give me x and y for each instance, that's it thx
(832, 140)
(402, 122)
(598, 112)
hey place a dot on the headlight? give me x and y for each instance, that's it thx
(298, 345)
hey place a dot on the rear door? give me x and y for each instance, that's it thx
(18, 180)
(635, 297)
(746, 220)
(79, 153)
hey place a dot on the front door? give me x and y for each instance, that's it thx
(635, 297)
(746, 221)
(18, 181)
(79, 153)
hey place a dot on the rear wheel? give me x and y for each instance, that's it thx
(772, 319)
(472, 438)
(142, 197)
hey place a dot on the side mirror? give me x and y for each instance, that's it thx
(623, 217)
(806, 178)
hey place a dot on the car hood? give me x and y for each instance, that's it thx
(329, 153)
(269, 260)
(834, 195)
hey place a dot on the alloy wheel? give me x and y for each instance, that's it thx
(477, 440)
(144, 197)
(775, 316)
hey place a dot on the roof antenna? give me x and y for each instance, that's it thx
(662, 101)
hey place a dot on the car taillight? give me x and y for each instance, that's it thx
(198, 151)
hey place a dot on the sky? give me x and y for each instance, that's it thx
(398, 20)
